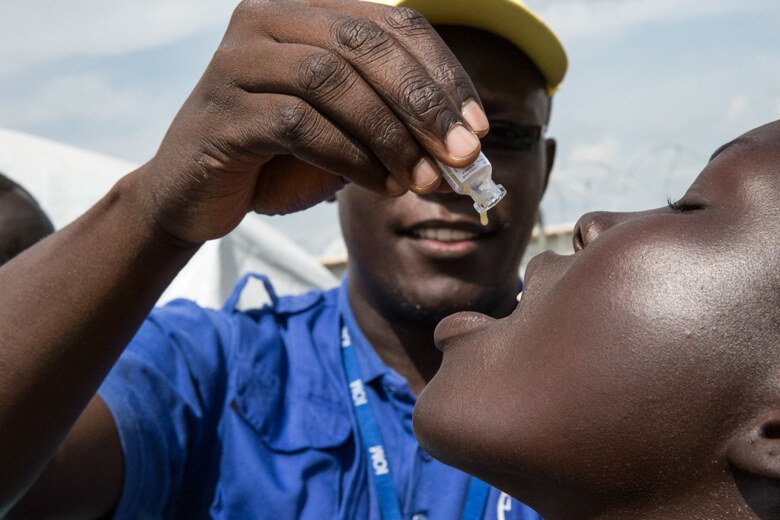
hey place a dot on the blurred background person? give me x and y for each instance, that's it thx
(22, 221)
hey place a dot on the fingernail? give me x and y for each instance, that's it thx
(425, 174)
(394, 187)
(461, 142)
(475, 117)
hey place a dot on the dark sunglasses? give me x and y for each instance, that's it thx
(511, 137)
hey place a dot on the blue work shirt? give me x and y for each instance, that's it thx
(247, 414)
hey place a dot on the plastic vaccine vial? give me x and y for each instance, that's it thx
(475, 181)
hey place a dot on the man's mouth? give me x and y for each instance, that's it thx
(447, 239)
(444, 234)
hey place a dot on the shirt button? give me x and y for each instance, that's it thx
(420, 516)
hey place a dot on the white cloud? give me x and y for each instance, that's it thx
(737, 109)
(37, 31)
(777, 108)
(603, 152)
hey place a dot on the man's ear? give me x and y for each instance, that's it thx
(756, 449)
(550, 146)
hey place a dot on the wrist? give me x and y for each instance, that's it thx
(138, 202)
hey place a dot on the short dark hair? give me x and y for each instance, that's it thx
(35, 223)
(7, 184)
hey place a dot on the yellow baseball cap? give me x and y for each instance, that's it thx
(510, 19)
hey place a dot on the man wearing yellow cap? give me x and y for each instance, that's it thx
(302, 407)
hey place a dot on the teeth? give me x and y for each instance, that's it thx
(444, 234)
(519, 296)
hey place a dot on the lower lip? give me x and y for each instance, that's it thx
(445, 249)
(457, 325)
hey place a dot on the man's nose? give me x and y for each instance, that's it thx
(591, 225)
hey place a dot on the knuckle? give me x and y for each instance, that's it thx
(444, 75)
(248, 11)
(447, 70)
(388, 133)
(240, 11)
(427, 105)
(246, 7)
(406, 19)
(449, 73)
(220, 92)
(223, 65)
(324, 75)
(422, 96)
(297, 123)
(360, 35)
(243, 11)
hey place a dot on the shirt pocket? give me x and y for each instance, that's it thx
(289, 419)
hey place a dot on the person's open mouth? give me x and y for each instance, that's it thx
(447, 239)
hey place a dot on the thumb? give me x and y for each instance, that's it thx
(288, 184)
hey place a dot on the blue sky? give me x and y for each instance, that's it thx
(653, 89)
(654, 86)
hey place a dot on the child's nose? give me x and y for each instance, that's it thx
(592, 224)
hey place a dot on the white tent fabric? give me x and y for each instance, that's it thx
(252, 247)
(66, 181)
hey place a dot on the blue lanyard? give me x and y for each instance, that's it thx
(390, 508)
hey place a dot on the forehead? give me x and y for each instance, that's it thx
(740, 192)
(506, 79)
(751, 161)
(763, 139)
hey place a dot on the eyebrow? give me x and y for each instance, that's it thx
(738, 140)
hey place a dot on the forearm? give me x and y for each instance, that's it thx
(68, 306)
(288, 105)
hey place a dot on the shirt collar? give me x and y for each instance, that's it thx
(372, 367)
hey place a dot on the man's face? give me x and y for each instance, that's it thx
(22, 223)
(428, 256)
(626, 367)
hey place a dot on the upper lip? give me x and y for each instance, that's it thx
(457, 325)
(530, 267)
(462, 226)
(546, 264)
